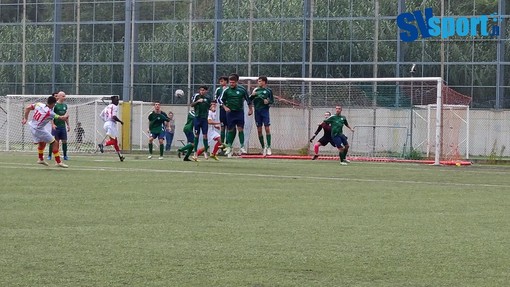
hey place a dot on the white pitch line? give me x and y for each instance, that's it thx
(126, 169)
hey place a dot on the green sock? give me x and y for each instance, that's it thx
(342, 155)
(231, 135)
(206, 144)
(64, 148)
(161, 149)
(241, 138)
(261, 140)
(49, 150)
(268, 138)
(222, 135)
(196, 144)
(150, 148)
(190, 150)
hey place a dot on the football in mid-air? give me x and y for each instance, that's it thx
(179, 93)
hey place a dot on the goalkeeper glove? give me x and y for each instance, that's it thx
(312, 138)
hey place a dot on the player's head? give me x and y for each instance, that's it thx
(327, 115)
(78, 124)
(223, 80)
(50, 102)
(61, 96)
(235, 76)
(232, 80)
(262, 81)
(338, 109)
(170, 114)
(203, 90)
(115, 100)
(213, 106)
(157, 106)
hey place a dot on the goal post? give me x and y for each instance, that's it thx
(382, 111)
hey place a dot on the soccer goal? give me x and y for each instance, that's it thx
(86, 128)
(455, 131)
(386, 113)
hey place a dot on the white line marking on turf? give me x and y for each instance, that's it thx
(300, 177)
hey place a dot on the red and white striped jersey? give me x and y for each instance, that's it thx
(42, 115)
(109, 112)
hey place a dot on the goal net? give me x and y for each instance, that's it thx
(393, 118)
(455, 130)
(83, 112)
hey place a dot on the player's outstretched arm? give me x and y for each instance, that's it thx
(64, 117)
(319, 128)
(25, 114)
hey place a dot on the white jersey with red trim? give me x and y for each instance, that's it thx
(42, 115)
(212, 131)
(109, 112)
(213, 116)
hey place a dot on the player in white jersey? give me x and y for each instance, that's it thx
(223, 81)
(43, 114)
(109, 116)
(213, 134)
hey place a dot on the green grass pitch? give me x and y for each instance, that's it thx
(240, 222)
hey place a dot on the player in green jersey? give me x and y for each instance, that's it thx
(190, 137)
(237, 79)
(337, 122)
(60, 127)
(158, 120)
(262, 97)
(233, 99)
(201, 102)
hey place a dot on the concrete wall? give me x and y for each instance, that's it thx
(488, 132)
(291, 128)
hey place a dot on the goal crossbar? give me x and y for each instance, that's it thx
(351, 80)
